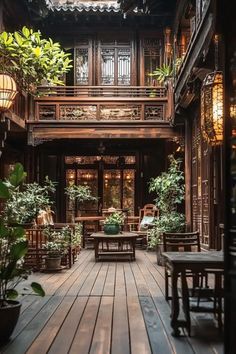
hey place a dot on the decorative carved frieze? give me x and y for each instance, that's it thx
(154, 112)
(78, 112)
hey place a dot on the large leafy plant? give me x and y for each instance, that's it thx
(26, 200)
(29, 58)
(13, 244)
(170, 191)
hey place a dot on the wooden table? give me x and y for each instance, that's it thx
(125, 244)
(177, 263)
(83, 219)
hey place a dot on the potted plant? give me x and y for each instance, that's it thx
(31, 59)
(112, 224)
(56, 245)
(170, 192)
(78, 194)
(13, 247)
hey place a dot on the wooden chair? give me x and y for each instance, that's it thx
(177, 242)
(148, 211)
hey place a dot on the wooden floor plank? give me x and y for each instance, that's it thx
(98, 286)
(43, 342)
(159, 344)
(140, 281)
(130, 281)
(109, 286)
(120, 289)
(74, 277)
(62, 342)
(120, 329)
(77, 285)
(156, 285)
(90, 280)
(83, 337)
(101, 342)
(138, 336)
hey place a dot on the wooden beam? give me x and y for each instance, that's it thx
(43, 133)
(202, 39)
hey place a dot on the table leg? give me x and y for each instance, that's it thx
(96, 246)
(174, 303)
(83, 230)
(133, 244)
(185, 300)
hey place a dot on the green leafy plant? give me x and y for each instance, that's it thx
(77, 235)
(170, 191)
(116, 218)
(57, 242)
(166, 71)
(29, 59)
(27, 199)
(13, 244)
(79, 193)
(162, 73)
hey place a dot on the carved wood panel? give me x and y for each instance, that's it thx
(196, 177)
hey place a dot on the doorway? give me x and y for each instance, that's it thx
(110, 178)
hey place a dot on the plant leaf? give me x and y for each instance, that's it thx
(17, 175)
(19, 249)
(11, 294)
(37, 288)
(4, 191)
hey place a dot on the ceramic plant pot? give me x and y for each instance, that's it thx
(9, 316)
(111, 229)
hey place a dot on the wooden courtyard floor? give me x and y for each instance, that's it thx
(106, 307)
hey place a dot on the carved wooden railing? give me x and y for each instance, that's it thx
(101, 103)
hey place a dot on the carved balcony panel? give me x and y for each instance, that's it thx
(154, 112)
(78, 112)
(120, 112)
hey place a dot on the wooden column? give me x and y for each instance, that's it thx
(188, 173)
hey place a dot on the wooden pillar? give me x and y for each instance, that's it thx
(1, 17)
(188, 173)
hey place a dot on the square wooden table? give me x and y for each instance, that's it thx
(125, 244)
(177, 263)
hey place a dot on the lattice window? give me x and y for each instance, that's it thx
(107, 66)
(81, 112)
(81, 66)
(124, 66)
(121, 112)
(154, 112)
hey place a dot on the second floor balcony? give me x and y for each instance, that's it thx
(102, 104)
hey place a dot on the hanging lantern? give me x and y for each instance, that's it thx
(7, 91)
(212, 107)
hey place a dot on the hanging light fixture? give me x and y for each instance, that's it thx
(8, 91)
(212, 97)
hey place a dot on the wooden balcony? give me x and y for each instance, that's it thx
(99, 103)
(101, 111)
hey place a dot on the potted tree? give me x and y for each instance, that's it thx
(112, 224)
(13, 247)
(170, 192)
